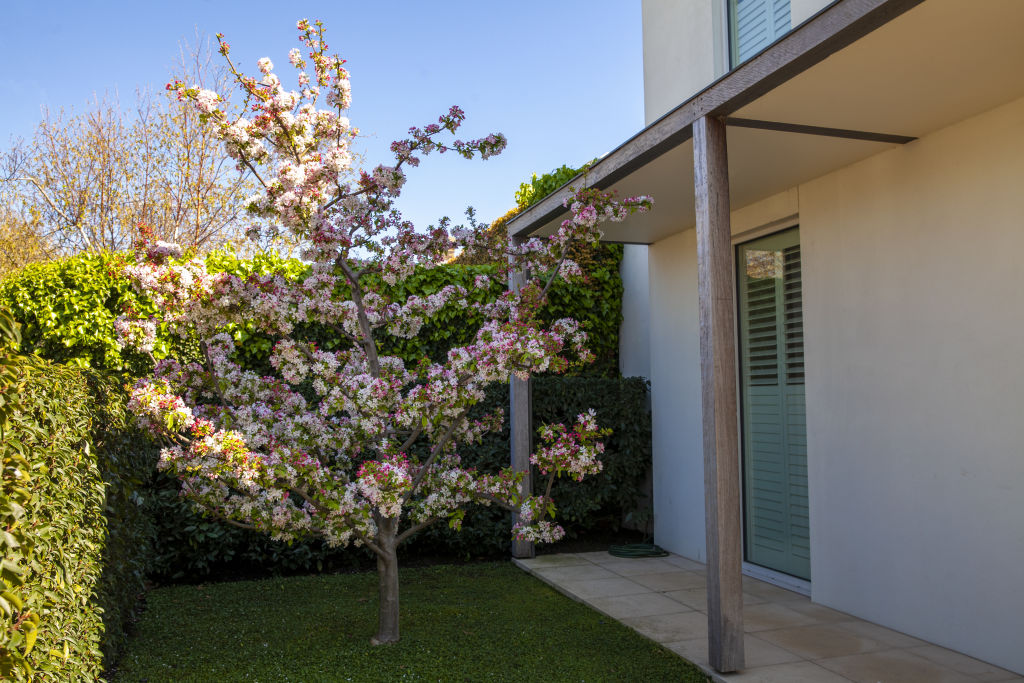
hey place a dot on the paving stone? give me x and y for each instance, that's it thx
(880, 633)
(982, 671)
(636, 605)
(685, 563)
(768, 615)
(667, 628)
(598, 556)
(820, 641)
(560, 560)
(793, 672)
(583, 572)
(671, 581)
(770, 592)
(892, 666)
(756, 652)
(697, 598)
(640, 565)
(602, 588)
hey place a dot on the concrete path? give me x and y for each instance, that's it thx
(789, 639)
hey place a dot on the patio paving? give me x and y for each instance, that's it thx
(788, 638)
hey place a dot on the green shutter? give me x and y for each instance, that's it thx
(774, 414)
(756, 24)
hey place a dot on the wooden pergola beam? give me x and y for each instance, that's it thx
(718, 376)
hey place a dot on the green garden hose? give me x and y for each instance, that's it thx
(637, 550)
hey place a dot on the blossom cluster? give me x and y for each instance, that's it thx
(574, 452)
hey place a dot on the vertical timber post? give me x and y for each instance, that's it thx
(521, 424)
(718, 395)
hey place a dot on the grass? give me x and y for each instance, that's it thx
(483, 622)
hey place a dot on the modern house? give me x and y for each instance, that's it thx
(829, 300)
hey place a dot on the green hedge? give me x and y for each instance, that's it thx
(67, 310)
(86, 534)
(191, 547)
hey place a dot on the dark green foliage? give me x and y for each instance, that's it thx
(481, 622)
(83, 511)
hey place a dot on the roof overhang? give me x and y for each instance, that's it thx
(858, 78)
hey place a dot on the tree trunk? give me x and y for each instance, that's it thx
(387, 572)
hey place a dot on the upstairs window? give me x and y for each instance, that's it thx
(754, 25)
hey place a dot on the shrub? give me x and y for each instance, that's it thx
(67, 310)
(79, 474)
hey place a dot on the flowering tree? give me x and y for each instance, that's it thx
(351, 445)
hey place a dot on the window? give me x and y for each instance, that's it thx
(754, 25)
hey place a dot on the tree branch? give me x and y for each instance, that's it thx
(72, 222)
(413, 529)
(434, 452)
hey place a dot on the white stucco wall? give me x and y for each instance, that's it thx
(675, 397)
(913, 273)
(684, 51)
(802, 10)
(635, 332)
(686, 47)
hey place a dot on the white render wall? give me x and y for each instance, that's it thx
(802, 10)
(914, 326)
(675, 397)
(914, 331)
(685, 49)
(635, 333)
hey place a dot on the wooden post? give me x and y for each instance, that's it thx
(718, 395)
(521, 427)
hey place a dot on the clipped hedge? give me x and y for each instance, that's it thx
(79, 473)
(190, 547)
(67, 310)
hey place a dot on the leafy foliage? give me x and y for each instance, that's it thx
(67, 310)
(78, 536)
(19, 623)
(541, 186)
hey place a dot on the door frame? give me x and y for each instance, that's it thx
(756, 571)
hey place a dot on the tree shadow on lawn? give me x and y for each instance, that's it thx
(459, 623)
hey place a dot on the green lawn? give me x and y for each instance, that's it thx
(482, 622)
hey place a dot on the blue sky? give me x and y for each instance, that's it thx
(562, 79)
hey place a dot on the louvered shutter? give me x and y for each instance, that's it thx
(756, 24)
(774, 424)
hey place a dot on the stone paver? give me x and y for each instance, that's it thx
(636, 605)
(788, 638)
(819, 641)
(667, 628)
(892, 666)
(671, 581)
(600, 588)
